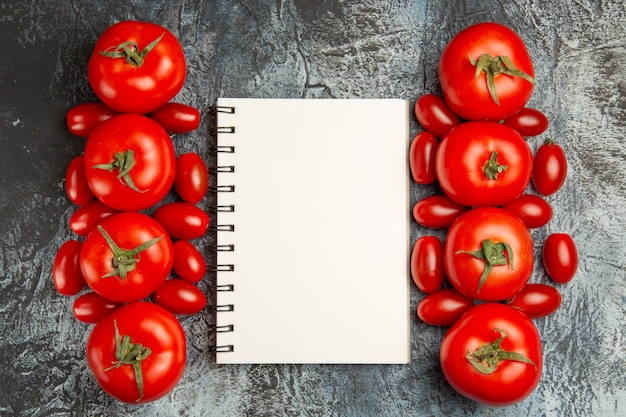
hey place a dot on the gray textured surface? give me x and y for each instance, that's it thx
(298, 48)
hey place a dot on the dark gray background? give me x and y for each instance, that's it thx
(311, 49)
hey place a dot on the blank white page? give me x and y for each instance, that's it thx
(321, 231)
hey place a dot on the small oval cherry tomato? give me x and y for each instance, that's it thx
(189, 264)
(180, 297)
(177, 117)
(427, 263)
(182, 220)
(88, 216)
(84, 117)
(443, 307)
(66, 273)
(91, 307)
(437, 211)
(192, 177)
(422, 158)
(76, 185)
(549, 168)
(560, 257)
(528, 122)
(536, 300)
(434, 115)
(533, 210)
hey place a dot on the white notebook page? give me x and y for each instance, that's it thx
(321, 231)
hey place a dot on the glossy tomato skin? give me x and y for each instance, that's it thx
(528, 122)
(533, 210)
(67, 276)
(154, 328)
(88, 216)
(180, 297)
(434, 115)
(512, 381)
(130, 88)
(177, 117)
(189, 264)
(155, 162)
(76, 185)
(560, 257)
(427, 263)
(437, 211)
(549, 168)
(182, 220)
(192, 177)
(443, 307)
(536, 300)
(91, 307)
(467, 95)
(463, 164)
(467, 234)
(83, 118)
(128, 230)
(422, 158)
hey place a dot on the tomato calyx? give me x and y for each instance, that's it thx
(123, 162)
(493, 254)
(130, 51)
(493, 66)
(124, 260)
(492, 168)
(129, 353)
(488, 356)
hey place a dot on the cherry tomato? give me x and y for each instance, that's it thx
(182, 220)
(434, 115)
(427, 263)
(137, 353)
(533, 210)
(437, 211)
(560, 257)
(528, 122)
(492, 355)
(549, 168)
(189, 264)
(66, 274)
(136, 67)
(180, 297)
(536, 300)
(443, 307)
(83, 118)
(177, 117)
(76, 185)
(192, 177)
(422, 158)
(91, 307)
(88, 216)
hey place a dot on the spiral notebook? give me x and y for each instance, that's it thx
(313, 231)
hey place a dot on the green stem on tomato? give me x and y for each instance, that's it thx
(492, 168)
(123, 162)
(494, 65)
(488, 356)
(124, 260)
(130, 51)
(493, 253)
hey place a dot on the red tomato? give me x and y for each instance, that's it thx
(434, 115)
(536, 300)
(76, 185)
(137, 353)
(189, 264)
(483, 164)
(177, 117)
(427, 263)
(422, 158)
(66, 274)
(476, 54)
(549, 168)
(533, 210)
(130, 162)
(182, 220)
(528, 122)
(488, 254)
(83, 118)
(87, 217)
(91, 307)
(560, 257)
(192, 177)
(136, 260)
(492, 355)
(443, 307)
(437, 211)
(136, 67)
(180, 297)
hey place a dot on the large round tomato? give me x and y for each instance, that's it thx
(130, 162)
(136, 67)
(127, 257)
(137, 353)
(488, 254)
(483, 164)
(492, 355)
(486, 72)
